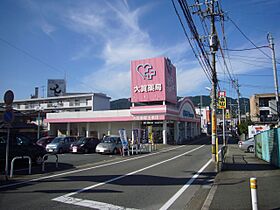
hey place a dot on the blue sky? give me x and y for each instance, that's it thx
(93, 41)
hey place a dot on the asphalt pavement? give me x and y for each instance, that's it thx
(231, 189)
(170, 178)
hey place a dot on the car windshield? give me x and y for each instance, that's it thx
(57, 140)
(82, 140)
(107, 139)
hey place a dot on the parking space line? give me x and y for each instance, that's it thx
(86, 169)
(65, 197)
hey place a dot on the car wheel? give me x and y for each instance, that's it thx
(250, 149)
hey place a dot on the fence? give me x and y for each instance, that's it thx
(267, 146)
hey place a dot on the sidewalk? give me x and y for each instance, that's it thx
(231, 189)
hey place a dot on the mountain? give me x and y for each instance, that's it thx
(231, 103)
(122, 103)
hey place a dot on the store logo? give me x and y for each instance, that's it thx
(146, 71)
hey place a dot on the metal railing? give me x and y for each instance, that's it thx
(46, 155)
(20, 157)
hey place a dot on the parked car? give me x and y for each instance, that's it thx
(44, 141)
(60, 144)
(247, 145)
(20, 145)
(109, 144)
(84, 145)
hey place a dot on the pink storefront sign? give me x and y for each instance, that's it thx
(153, 79)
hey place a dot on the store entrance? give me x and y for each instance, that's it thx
(157, 129)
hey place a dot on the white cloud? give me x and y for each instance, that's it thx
(115, 37)
(190, 80)
(47, 28)
(124, 40)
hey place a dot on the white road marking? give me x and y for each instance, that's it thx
(86, 169)
(66, 196)
(90, 203)
(185, 187)
(180, 192)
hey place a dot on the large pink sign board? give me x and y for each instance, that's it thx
(153, 79)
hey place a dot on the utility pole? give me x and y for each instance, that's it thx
(238, 102)
(236, 86)
(271, 45)
(201, 123)
(214, 48)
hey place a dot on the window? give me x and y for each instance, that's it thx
(21, 140)
(77, 102)
(264, 102)
(264, 115)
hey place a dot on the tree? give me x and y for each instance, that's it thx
(243, 127)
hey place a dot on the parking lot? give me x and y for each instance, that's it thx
(66, 161)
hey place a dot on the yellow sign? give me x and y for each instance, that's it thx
(227, 114)
(222, 103)
(150, 134)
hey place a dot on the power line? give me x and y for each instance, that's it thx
(246, 49)
(246, 59)
(30, 55)
(39, 60)
(251, 75)
(202, 64)
(249, 85)
(248, 38)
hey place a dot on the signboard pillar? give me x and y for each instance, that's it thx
(222, 104)
(8, 119)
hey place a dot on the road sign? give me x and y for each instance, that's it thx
(222, 103)
(222, 100)
(8, 116)
(222, 94)
(9, 97)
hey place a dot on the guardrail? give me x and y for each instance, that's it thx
(46, 155)
(20, 157)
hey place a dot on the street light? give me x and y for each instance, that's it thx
(38, 109)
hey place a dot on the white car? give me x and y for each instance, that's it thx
(109, 144)
(247, 145)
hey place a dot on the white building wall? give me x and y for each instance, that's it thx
(95, 114)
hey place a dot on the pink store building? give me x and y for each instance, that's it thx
(154, 103)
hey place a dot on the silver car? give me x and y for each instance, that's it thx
(109, 144)
(60, 144)
(247, 145)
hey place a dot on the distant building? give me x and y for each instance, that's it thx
(67, 103)
(263, 108)
(71, 102)
(205, 118)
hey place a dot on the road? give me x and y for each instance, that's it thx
(172, 178)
